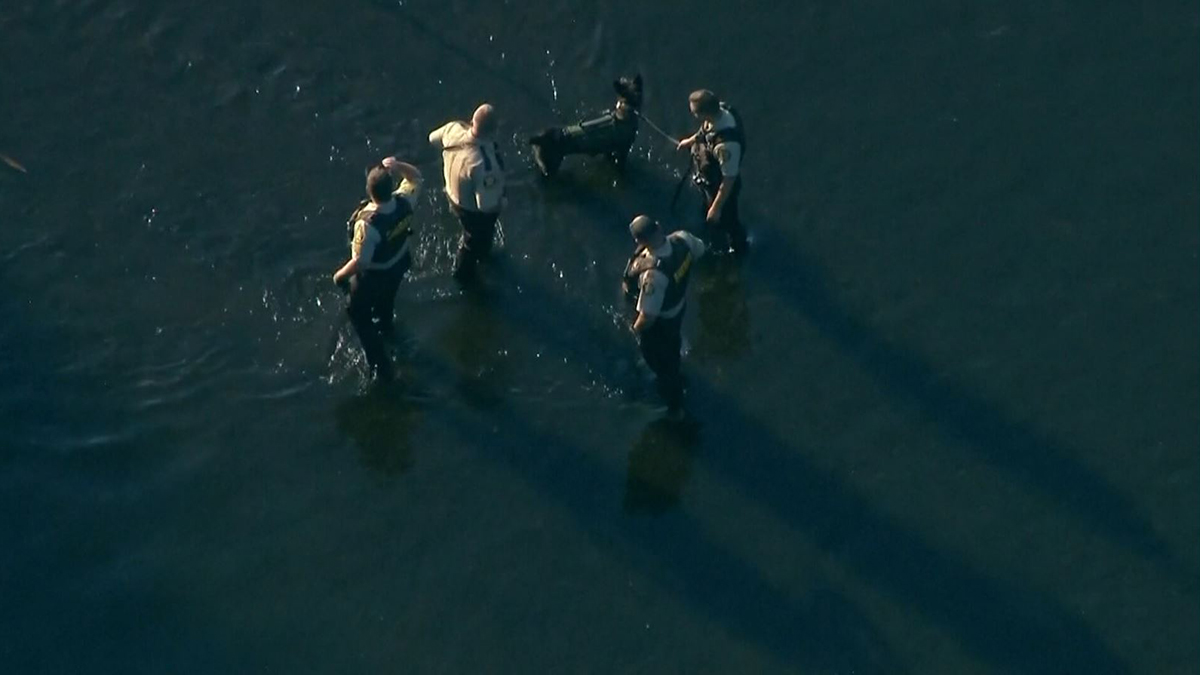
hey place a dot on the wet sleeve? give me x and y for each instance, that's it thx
(652, 291)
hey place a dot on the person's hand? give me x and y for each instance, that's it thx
(685, 143)
(388, 162)
(713, 215)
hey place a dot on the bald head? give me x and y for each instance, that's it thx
(483, 122)
(645, 230)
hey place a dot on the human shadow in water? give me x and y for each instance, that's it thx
(1029, 455)
(659, 465)
(722, 312)
(818, 629)
(380, 422)
(470, 340)
(1013, 626)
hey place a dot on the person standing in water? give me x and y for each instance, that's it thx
(474, 173)
(379, 231)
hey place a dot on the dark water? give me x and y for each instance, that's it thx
(948, 409)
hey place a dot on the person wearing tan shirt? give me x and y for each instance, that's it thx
(474, 174)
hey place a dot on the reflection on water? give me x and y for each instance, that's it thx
(659, 466)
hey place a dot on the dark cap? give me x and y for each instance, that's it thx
(629, 89)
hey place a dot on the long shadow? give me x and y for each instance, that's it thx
(1029, 455)
(380, 423)
(822, 631)
(659, 465)
(1013, 627)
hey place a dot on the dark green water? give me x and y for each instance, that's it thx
(948, 408)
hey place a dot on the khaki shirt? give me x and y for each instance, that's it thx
(729, 155)
(652, 283)
(473, 168)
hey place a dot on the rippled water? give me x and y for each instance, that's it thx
(946, 411)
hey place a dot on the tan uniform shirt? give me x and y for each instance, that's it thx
(472, 167)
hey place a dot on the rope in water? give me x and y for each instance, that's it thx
(655, 127)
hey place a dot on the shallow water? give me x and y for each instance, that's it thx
(945, 412)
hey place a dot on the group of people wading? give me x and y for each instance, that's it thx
(656, 276)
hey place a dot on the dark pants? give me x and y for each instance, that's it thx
(728, 231)
(478, 231)
(372, 310)
(660, 345)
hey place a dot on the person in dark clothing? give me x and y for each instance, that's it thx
(661, 269)
(610, 134)
(718, 148)
(379, 233)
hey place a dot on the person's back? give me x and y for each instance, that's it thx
(380, 233)
(662, 269)
(475, 181)
(473, 167)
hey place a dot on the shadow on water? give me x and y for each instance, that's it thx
(720, 305)
(659, 466)
(1029, 455)
(1016, 628)
(471, 339)
(823, 630)
(380, 422)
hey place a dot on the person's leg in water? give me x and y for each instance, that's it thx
(714, 235)
(364, 297)
(727, 233)
(383, 310)
(731, 220)
(479, 229)
(660, 347)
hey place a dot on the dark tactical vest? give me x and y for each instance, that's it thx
(676, 267)
(394, 228)
(706, 168)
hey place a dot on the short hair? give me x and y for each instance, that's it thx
(380, 184)
(705, 101)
